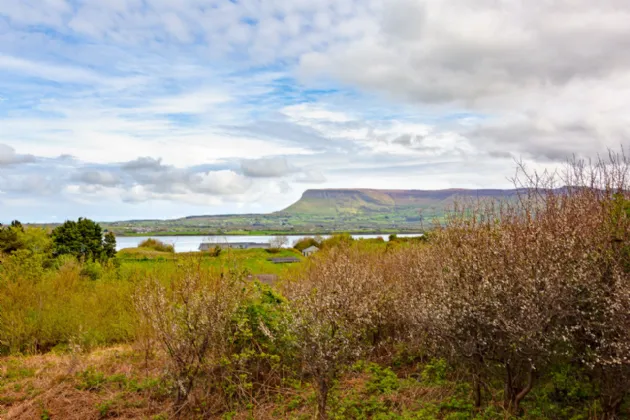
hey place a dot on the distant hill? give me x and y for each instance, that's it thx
(338, 202)
(323, 211)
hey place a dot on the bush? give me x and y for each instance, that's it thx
(92, 270)
(191, 317)
(336, 304)
(304, 243)
(337, 240)
(42, 308)
(156, 245)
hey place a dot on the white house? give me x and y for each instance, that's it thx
(310, 251)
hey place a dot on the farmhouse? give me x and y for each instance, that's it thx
(310, 251)
(206, 246)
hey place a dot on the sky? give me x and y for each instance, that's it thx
(138, 109)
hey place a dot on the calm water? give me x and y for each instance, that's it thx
(191, 243)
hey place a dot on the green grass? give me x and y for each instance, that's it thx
(254, 261)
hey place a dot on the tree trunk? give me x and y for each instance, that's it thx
(528, 387)
(477, 369)
(514, 395)
(477, 390)
(508, 392)
(322, 399)
(610, 407)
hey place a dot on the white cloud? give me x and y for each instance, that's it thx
(8, 156)
(550, 63)
(201, 101)
(311, 177)
(272, 167)
(224, 182)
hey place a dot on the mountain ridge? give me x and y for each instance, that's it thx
(353, 200)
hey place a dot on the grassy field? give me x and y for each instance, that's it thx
(254, 261)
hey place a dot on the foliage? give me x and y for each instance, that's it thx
(335, 305)
(42, 308)
(216, 251)
(261, 352)
(279, 242)
(156, 245)
(191, 318)
(109, 245)
(82, 239)
(10, 237)
(306, 242)
(338, 240)
(15, 237)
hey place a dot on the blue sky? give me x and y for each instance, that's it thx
(125, 109)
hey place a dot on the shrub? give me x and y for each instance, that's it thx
(335, 305)
(337, 240)
(156, 245)
(522, 285)
(191, 317)
(304, 243)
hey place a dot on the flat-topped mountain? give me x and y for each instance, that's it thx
(332, 202)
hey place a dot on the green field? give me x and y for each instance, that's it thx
(253, 261)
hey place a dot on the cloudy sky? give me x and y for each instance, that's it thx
(125, 109)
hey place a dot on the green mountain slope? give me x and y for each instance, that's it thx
(341, 202)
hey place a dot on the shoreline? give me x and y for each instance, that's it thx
(186, 234)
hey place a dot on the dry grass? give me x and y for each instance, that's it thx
(56, 386)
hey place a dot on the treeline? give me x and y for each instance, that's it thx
(83, 239)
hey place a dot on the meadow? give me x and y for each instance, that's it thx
(517, 309)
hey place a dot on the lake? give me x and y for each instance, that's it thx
(191, 243)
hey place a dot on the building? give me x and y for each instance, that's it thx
(310, 251)
(207, 246)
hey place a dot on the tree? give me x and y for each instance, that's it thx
(83, 239)
(10, 237)
(335, 306)
(304, 243)
(279, 242)
(109, 245)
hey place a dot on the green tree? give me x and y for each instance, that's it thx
(83, 239)
(109, 245)
(10, 237)
(304, 243)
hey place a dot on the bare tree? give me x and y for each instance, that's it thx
(190, 316)
(279, 242)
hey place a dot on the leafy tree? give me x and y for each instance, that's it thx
(157, 245)
(83, 239)
(109, 245)
(10, 237)
(304, 243)
(338, 240)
